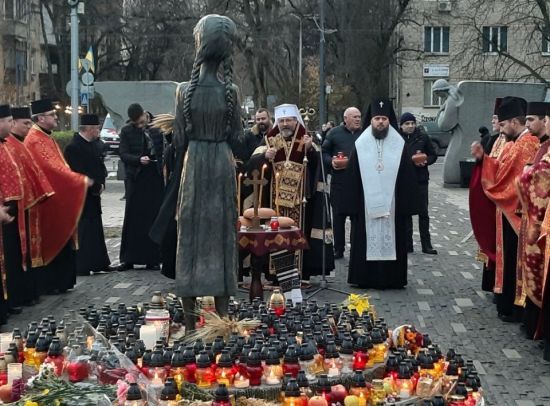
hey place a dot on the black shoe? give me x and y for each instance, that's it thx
(124, 267)
(15, 310)
(507, 318)
(430, 251)
(107, 269)
(153, 267)
(338, 254)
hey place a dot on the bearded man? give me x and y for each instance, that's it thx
(380, 192)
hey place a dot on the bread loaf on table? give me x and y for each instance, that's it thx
(263, 212)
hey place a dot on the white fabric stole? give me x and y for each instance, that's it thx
(379, 191)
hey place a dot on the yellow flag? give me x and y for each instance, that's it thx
(90, 57)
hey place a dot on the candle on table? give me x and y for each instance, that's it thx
(264, 167)
(277, 192)
(240, 178)
(333, 370)
(156, 380)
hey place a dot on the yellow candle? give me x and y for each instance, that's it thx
(239, 194)
(264, 167)
(277, 192)
(362, 400)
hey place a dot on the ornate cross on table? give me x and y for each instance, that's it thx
(256, 183)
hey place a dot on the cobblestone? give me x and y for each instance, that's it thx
(456, 314)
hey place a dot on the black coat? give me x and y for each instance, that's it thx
(339, 139)
(133, 145)
(85, 157)
(420, 141)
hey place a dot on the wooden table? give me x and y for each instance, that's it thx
(261, 243)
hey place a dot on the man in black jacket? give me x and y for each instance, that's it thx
(84, 156)
(422, 153)
(336, 149)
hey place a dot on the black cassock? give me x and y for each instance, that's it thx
(378, 274)
(85, 157)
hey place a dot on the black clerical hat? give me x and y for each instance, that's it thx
(537, 108)
(498, 102)
(21, 112)
(380, 107)
(511, 107)
(42, 106)
(89, 119)
(5, 110)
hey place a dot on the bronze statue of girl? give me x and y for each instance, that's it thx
(207, 124)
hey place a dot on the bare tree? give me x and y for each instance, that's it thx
(485, 54)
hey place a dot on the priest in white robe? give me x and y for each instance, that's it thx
(379, 194)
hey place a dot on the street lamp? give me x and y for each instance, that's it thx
(299, 60)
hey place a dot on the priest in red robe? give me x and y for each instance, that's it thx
(22, 237)
(498, 178)
(59, 214)
(483, 210)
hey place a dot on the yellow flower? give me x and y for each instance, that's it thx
(57, 402)
(45, 391)
(30, 403)
(359, 303)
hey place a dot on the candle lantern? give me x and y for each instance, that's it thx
(177, 367)
(30, 348)
(160, 319)
(204, 375)
(148, 334)
(305, 389)
(273, 372)
(346, 355)
(169, 393)
(292, 394)
(217, 347)
(224, 372)
(359, 386)
(156, 366)
(450, 377)
(243, 357)
(380, 346)
(324, 388)
(438, 400)
(277, 300)
(55, 356)
(254, 368)
(41, 350)
(378, 394)
(404, 384)
(241, 381)
(221, 396)
(290, 361)
(307, 362)
(332, 362)
(457, 400)
(392, 366)
(361, 356)
(133, 396)
(15, 371)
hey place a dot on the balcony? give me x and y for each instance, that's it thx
(17, 29)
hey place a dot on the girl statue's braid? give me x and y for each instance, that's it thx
(189, 93)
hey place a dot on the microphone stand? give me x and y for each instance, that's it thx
(324, 283)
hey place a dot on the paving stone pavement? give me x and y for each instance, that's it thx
(443, 298)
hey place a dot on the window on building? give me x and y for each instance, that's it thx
(430, 100)
(545, 44)
(22, 10)
(495, 39)
(8, 9)
(436, 40)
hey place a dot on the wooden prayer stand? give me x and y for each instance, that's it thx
(256, 183)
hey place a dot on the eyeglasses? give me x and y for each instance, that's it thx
(51, 114)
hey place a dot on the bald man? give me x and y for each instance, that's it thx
(337, 145)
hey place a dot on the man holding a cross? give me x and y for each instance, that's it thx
(379, 193)
(290, 162)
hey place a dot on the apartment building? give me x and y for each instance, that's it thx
(20, 51)
(466, 40)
